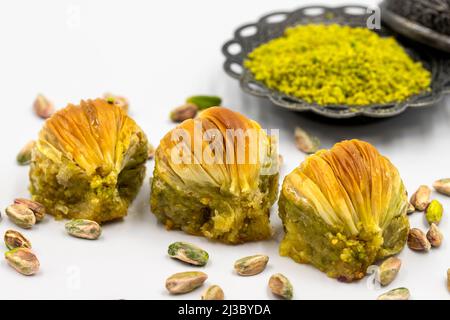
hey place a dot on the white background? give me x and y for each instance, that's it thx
(157, 53)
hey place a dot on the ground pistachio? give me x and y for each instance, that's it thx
(418, 241)
(434, 212)
(184, 112)
(23, 260)
(85, 229)
(185, 282)
(252, 265)
(443, 186)
(395, 294)
(21, 215)
(188, 253)
(43, 107)
(281, 286)
(24, 156)
(37, 208)
(421, 198)
(389, 270)
(434, 236)
(14, 239)
(213, 293)
(306, 142)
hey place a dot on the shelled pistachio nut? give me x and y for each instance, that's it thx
(205, 102)
(306, 142)
(421, 198)
(443, 186)
(389, 270)
(185, 282)
(281, 286)
(396, 294)
(252, 265)
(213, 293)
(23, 260)
(184, 112)
(21, 215)
(188, 253)
(434, 236)
(24, 156)
(43, 107)
(418, 241)
(14, 239)
(411, 209)
(37, 208)
(85, 229)
(119, 101)
(434, 212)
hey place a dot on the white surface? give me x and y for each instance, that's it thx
(157, 53)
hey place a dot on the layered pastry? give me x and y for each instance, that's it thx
(211, 179)
(88, 162)
(343, 209)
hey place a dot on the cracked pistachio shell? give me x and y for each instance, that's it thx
(395, 294)
(185, 282)
(14, 239)
(188, 253)
(252, 265)
(389, 270)
(85, 229)
(281, 286)
(23, 260)
(21, 215)
(213, 293)
(443, 186)
(434, 212)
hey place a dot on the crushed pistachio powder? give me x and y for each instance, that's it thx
(334, 64)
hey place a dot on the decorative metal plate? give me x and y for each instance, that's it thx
(249, 36)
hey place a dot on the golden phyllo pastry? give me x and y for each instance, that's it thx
(210, 181)
(89, 162)
(343, 209)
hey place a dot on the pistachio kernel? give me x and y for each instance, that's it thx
(434, 212)
(84, 229)
(281, 286)
(43, 107)
(14, 239)
(185, 282)
(389, 270)
(24, 156)
(188, 253)
(396, 294)
(184, 112)
(21, 215)
(418, 241)
(37, 208)
(421, 198)
(23, 260)
(252, 265)
(434, 236)
(305, 142)
(213, 293)
(443, 186)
